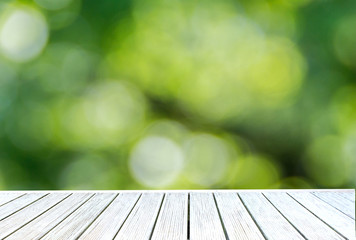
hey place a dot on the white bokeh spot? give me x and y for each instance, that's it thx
(207, 158)
(23, 34)
(156, 161)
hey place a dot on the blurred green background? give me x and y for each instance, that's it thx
(177, 94)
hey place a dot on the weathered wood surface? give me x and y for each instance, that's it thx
(75, 224)
(109, 222)
(20, 218)
(268, 218)
(210, 214)
(140, 223)
(18, 204)
(339, 202)
(9, 196)
(308, 225)
(172, 222)
(41, 225)
(331, 216)
(236, 219)
(204, 217)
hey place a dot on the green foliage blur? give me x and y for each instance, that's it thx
(177, 94)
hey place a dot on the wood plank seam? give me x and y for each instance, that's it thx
(12, 200)
(98, 215)
(38, 215)
(221, 221)
(254, 220)
(237, 221)
(159, 211)
(133, 207)
(172, 219)
(295, 200)
(318, 217)
(108, 223)
(205, 222)
(188, 230)
(312, 227)
(24, 206)
(140, 222)
(285, 217)
(331, 205)
(47, 221)
(188, 223)
(72, 226)
(67, 216)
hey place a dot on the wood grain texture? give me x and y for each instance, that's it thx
(349, 195)
(334, 218)
(109, 222)
(205, 222)
(211, 214)
(273, 225)
(19, 203)
(74, 225)
(308, 225)
(20, 218)
(8, 197)
(139, 225)
(338, 202)
(172, 222)
(47, 221)
(237, 221)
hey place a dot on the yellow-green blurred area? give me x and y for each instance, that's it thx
(177, 94)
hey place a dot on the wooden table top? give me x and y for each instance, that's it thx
(190, 214)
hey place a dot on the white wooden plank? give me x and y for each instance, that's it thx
(44, 223)
(273, 225)
(109, 222)
(343, 224)
(74, 225)
(19, 203)
(172, 222)
(338, 202)
(205, 222)
(237, 221)
(37, 218)
(307, 224)
(8, 197)
(139, 225)
(349, 195)
(20, 218)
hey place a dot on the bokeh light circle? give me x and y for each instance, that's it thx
(343, 108)
(73, 64)
(345, 41)
(207, 159)
(326, 163)
(349, 152)
(156, 161)
(88, 171)
(255, 171)
(107, 115)
(216, 63)
(169, 129)
(23, 34)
